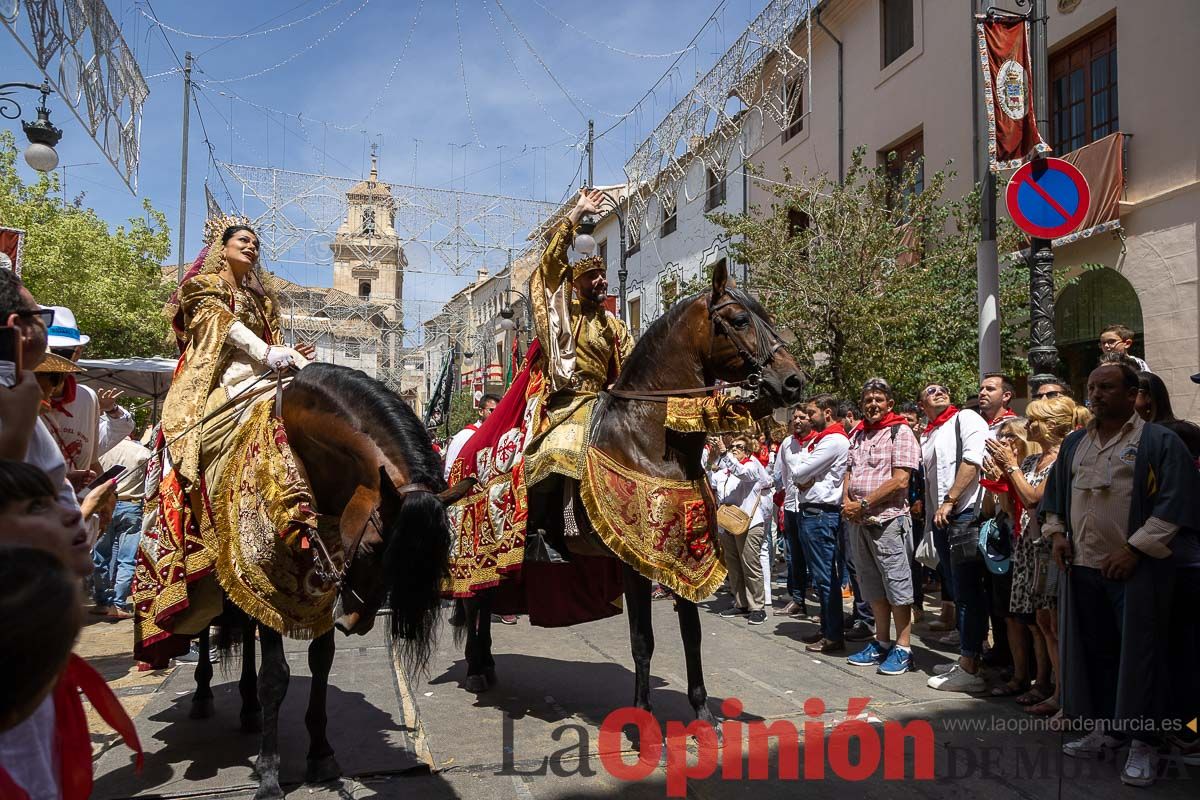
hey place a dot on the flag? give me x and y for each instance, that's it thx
(513, 359)
(438, 410)
(12, 243)
(1013, 136)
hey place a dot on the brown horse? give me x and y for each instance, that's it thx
(358, 442)
(719, 335)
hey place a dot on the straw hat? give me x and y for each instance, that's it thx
(56, 363)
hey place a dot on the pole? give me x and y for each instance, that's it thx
(591, 151)
(987, 256)
(183, 166)
(1043, 354)
(622, 272)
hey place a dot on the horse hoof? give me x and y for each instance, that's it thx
(252, 722)
(201, 709)
(477, 684)
(273, 792)
(322, 770)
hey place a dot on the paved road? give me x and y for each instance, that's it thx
(536, 734)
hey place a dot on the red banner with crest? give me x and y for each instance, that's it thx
(1013, 136)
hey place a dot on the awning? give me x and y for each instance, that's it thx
(143, 377)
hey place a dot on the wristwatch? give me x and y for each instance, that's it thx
(1011, 468)
(862, 503)
(948, 500)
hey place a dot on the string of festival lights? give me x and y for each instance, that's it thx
(285, 26)
(606, 45)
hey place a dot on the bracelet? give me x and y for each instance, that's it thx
(1011, 469)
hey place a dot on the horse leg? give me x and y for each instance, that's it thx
(202, 699)
(689, 631)
(481, 669)
(322, 766)
(272, 688)
(641, 640)
(251, 715)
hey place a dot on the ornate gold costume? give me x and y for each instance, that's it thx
(584, 347)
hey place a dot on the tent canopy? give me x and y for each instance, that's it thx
(144, 377)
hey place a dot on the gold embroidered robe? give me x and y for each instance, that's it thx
(584, 349)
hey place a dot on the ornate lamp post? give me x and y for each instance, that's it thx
(42, 135)
(585, 245)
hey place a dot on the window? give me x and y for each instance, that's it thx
(368, 226)
(896, 28)
(353, 349)
(635, 241)
(364, 289)
(1083, 91)
(635, 316)
(669, 293)
(715, 190)
(897, 160)
(670, 220)
(603, 252)
(793, 101)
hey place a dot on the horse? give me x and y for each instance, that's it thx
(718, 334)
(369, 461)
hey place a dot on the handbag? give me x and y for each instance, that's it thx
(733, 520)
(926, 554)
(963, 536)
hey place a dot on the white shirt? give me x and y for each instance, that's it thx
(457, 443)
(937, 454)
(790, 451)
(83, 433)
(29, 754)
(740, 484)
(44, 454)
(825, 465)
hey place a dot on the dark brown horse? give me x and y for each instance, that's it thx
(719, 335)
(369, 462)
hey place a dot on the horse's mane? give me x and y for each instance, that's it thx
(381, 414)
(656, 345)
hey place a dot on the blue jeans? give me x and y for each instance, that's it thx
(820, 538)
(116, 554)
(971, 595)
(797, 568)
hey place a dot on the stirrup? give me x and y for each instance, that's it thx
(538, 548)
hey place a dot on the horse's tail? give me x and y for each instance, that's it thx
(416, 562)
(458, 621)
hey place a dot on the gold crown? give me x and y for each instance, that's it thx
(588, 264)
(214, 227)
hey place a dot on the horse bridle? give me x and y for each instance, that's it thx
(329, 571)
(766, 343)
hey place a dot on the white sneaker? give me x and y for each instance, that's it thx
(1141, 765)
(1092, 745)
(957, 679)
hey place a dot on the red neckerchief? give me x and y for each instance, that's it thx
(941, 420)
(1004, 486)
(71, 728)
(888, 420)
(744, 460)
(808, 437)
(67, 397)
(1008, 412)
(861, 425)
(763, 455)
(836, 429)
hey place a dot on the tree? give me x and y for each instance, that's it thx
(112, 280)
(876, 276)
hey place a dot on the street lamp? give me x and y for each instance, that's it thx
(42, 135)
(585, 245)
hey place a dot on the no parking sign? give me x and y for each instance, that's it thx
(1048, 198)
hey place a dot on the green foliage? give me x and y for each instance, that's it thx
(874, 277)
(110, 279)
(462, 410)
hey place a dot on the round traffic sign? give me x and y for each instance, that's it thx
(1048, 198)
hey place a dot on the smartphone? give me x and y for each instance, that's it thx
(10, 356)
(112, 473)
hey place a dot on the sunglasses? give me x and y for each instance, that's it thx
(1047, 395)
(46, 314)
(935, 389)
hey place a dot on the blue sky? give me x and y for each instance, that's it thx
(336, 79)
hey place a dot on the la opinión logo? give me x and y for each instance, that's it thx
(852, 750)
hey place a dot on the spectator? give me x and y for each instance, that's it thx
(916, 511)
(1119, 339)
(791, 451)
(849, 415)
(995, 396)
(1120, 492)
(1056, 387)
(952, 454)
(766, 456)
(863, 622)
(1011, 456)
(737, 479)
(486, 406)
(817, 474)
(115, 554)
(32, 514)
(883, 455)
(1154, 405)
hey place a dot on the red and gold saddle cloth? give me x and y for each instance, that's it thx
(665, 529)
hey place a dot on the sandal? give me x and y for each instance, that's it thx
(1033, 696)
(1010, 688)
(1045, 708)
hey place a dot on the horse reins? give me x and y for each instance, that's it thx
(767, 341)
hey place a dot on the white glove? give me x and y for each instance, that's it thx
(280, 358)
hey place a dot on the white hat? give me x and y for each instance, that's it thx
(64, 332)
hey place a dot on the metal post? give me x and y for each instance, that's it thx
(183, 167)
(987, 256)
(622, 272)
(591, 151)
(1043, 354)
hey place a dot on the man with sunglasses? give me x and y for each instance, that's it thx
(952, 451)
(1050, 389)
(1120, 507)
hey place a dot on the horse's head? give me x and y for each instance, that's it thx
(744, 348)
